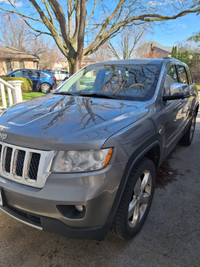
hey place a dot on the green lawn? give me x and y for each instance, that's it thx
(198, 87)
(27, 96)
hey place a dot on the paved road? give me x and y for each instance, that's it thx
(170, 236)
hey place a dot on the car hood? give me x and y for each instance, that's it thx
(60, 122)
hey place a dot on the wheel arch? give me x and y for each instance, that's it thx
(152, 152)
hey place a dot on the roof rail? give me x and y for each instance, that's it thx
(167, 57)
(172, 58)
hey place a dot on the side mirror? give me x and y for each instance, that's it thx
(177, 91)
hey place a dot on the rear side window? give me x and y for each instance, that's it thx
(27, 73)
(182, 75)
(44, 75)
(34, 74)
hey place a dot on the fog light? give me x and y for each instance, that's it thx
(79, 208)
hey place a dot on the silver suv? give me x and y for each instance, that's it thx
(84, 158)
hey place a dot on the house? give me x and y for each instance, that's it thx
(87, 61)
(161, 51)
(12, 58)
(63, 63)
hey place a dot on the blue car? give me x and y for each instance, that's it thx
(43, 81)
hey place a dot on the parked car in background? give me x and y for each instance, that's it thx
(61, 75)
(42, 80)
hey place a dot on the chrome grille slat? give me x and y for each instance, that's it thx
(12, 163)
(24, 165)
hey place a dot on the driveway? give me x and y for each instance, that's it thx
(170, 236)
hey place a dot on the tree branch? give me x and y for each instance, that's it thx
(96, 4)
(54, 32)
(114, 52)
(144, 17)
(49, 12)
(20, 14)
(60, 16)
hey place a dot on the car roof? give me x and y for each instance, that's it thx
(31, 70)
(154, 61)
(43, 71)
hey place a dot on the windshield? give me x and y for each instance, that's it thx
(131, 82)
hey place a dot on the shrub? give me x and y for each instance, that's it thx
(27, 84)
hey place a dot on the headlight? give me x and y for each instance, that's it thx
(81, 161)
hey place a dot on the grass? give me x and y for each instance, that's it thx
(27, 96)
(198, 87)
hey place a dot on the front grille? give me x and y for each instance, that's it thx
(33, 169)
(16, 158)
(20, 162)
(8, 156)
(24, 165)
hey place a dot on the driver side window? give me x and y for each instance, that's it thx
(170, 78)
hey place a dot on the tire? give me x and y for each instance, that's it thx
(136, 200)
(186, 140)
(45, 87)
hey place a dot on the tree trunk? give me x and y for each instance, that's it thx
(74, 65)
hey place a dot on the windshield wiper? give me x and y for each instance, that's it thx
(64, 93)
(98, 95)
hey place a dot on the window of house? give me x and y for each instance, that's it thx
(8, 65)
(21, 64)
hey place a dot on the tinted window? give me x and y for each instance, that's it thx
(123, 82)
(182, 75)
(43, 75)
(18, 74)
(171, 77)
(35, 74)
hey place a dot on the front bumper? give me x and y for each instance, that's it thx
(45, 208)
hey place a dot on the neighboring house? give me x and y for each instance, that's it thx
(87, 61)
(63, 64)
(12, 58)
(161, 51)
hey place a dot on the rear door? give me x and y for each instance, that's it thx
(175, 111)
(184, 113)
(35, 77)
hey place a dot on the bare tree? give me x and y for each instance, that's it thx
(14, 32)
(69, 22)
(103, 53)
(123, 46)
(47, 52)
